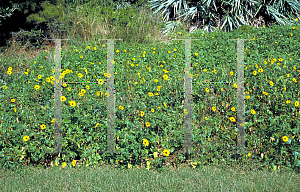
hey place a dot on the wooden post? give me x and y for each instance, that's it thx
(240, 97)
(57, 100)
(111, 98)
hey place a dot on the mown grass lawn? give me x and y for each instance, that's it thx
(107, 178)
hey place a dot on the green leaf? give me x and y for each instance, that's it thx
(172, 149)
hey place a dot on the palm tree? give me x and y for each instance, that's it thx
(227, 15)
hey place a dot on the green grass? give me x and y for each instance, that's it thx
(107, 178)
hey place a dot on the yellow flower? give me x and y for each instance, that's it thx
(288, 101)
(165, 77)
(64, 85)
(205, 70)
(265, 93)
(132, 65)
(81, 56)
(9, 72)
(231, 73)
(297, 103)
(288, 75)
(95, 48)
(247, 92)
(152, 110)
(26, 138)
(247, 97)
(142, 113)
(120, 107)
(285, 138)
(100, 82)
(235, 85)
(232, 109)
(12, 100)
(166, 152)
(80, 75)
(9, 69)
(43, 126)
(249, 154)
(146, 142)
(129, 165)
(271, 83)
(150, 94)
(83, 91)
(64, 164)
(37, 87)
(254, 72)
(207, 90)
(74, 161)
(253, 111)
(106, 94)
(164, 104)
(62, 98)
(232, 119)
(72, 103)
(15, 109)
(213, 108)
(196, 54)
(148, 165)
(39, 76)
(88, 47)
(194, 164)
(185, 111)
(205, 118)
(295, 80)
(147, 124)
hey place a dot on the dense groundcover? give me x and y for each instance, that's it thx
(149, 108)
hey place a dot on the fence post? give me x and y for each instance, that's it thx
(57, 100)
(240, 97)
(187, 98)
(111, 98)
